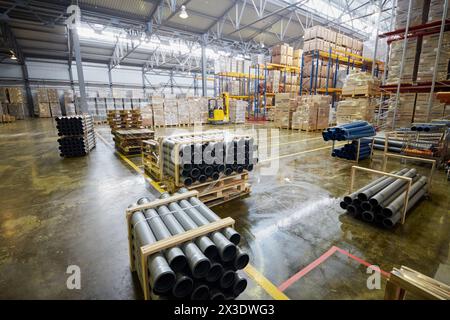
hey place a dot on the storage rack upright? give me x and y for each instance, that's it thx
(258, 99)
(434, 27)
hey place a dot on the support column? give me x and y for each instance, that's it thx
(380, 9)
(110, 83)
(26, 80)
(171, 81)
(81, 84)
(143, 82)
(436, 61)
(204, 80)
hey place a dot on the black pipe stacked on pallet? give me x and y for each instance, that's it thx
(205, 268)
(201, 162)
(381, 202)
(77, 136)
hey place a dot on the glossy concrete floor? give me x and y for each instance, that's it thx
(58, 212)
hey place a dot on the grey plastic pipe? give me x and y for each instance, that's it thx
(368, 193)
(204, 243)
(175, 255)
(198, 263)
(396, 205)
(161, 277)
(227, 250)
(392, 221)
(385, 193)
(210, 216)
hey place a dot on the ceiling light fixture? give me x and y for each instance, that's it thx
(183, 13)
(13, 55)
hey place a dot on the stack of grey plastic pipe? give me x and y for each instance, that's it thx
(203, 161)
(203, 269)
(381, 202)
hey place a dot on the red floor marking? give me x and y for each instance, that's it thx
(307, 269)
(319, 261)
(367, 264)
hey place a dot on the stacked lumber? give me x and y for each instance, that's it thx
(129, 141)
(124, 119)
(406, 280)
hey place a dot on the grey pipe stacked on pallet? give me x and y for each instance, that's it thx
(382, 201)
(207, 161)
(204, 268)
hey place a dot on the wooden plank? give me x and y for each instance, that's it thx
(186, 236)
(161, 202)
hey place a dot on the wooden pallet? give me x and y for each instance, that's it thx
(222, 190)
(145, 251)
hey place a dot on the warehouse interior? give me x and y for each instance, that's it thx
(221, 150)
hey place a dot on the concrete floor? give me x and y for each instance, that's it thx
(57, 212)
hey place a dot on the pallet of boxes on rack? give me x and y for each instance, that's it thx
(77, 137)
(213, 163)
(359, 92)
(181, 249)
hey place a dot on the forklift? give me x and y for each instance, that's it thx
(218, 111)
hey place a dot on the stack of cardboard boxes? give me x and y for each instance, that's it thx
(237, 111)
(283, 54)
(170, 110)
(395, 61)
(312, 113)
(283, 110)
(428, 58)
(404, 112)
(421, 108)
(16, 105)
(416, 16)
(69, 103)
(321, 38)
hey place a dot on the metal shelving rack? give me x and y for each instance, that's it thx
(334, 60)
(418, 31)
(258, 100)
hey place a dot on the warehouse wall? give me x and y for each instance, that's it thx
(55, 73)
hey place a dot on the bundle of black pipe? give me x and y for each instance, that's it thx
(382, 201)
(207, 161)
(77, 135)
(350, 151)
(73, 125)
(427, 127)
(349, 131)
(205, 268)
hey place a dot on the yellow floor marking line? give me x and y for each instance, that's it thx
(299, 153)
(132, 165)
(268, 286)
